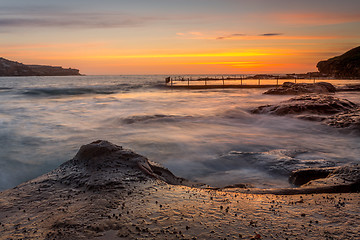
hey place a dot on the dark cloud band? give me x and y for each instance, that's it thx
(270, 34)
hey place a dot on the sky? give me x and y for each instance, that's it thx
(178, 36)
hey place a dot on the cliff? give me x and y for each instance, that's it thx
(344, 66)
(12, 68)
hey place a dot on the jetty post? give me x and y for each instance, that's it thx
(184, 82)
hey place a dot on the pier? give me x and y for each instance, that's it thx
(180, 82)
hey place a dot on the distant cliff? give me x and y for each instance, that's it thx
(344, 66)
(11, 68)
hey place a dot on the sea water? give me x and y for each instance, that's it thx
(205, 135)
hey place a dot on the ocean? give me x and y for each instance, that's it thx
(205, 135)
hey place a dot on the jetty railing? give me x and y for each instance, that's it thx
(229, 81)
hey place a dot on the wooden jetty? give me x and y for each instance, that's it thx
(224, 82)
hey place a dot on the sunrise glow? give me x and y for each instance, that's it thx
(164, 37)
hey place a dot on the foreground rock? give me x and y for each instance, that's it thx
(344, 66)
(102, 165)
(107, 192)
(289, 88)
(330, 110)
(12, 68)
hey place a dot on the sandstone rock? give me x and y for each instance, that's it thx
(102, 164)
(350, 120)
(303, 176)
(340, 179)
(313, 104)
(142, 207)
(289, 88)
(335, 112)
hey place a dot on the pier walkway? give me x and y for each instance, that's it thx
(228, 82)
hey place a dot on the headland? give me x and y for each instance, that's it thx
(11, 68)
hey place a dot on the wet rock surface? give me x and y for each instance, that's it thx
(289, 88)
(107, 192)
(303, 176)
(349, 88)
(314, 104)
(349, 120)
(338, 179)
(333, 111)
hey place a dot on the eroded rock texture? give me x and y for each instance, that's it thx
(339, 179)
(289, 88)
(333, 111)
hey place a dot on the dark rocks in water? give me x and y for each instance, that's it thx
(313, 104)
(239, 185)
(339, 179)
(300, 177)
(344, 66)
(335, 112)
(12, 68)
(350, 120)
(349, 88)
(289, 88)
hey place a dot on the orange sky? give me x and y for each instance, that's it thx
(178, 37)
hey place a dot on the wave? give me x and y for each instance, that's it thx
(65, 91)
(150, 118)
(81, 90)
(279, 161)
(5, 89)
(237, 113)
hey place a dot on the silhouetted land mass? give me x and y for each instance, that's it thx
(12, 68)
(344, 66)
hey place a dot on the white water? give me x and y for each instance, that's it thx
(203, 135)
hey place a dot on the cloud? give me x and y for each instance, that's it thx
(55, 16)
(75, 21)
(270, 34)
(234, 35)
(241, 35)
(314, 18)
(262, 36)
